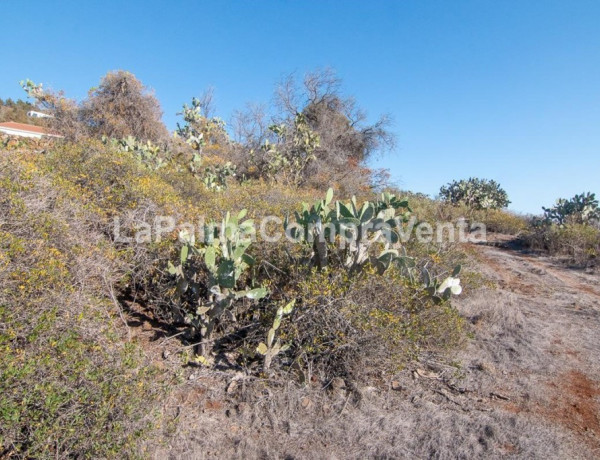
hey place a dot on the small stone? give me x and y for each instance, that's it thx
(427, 374)
(232, 387)
(241, 408)
(305, 403)
(337, 384)
(396, 386)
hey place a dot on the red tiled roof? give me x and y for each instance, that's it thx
(25, 127)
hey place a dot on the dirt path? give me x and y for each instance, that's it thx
(537, 345)
(527, 385)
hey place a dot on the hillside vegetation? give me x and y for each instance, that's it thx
(71, 373)
(95, 279)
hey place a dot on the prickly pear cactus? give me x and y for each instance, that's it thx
(223, 257)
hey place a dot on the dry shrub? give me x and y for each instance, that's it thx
(119, 107)
(122, 106)
(346, 326)
(71, 386)
(501, 221)
(346, 140)
(580, 243)
(65, 114)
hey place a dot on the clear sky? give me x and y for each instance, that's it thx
(505, 90)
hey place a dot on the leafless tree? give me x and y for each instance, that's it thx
(122, 106)
(250, 124)
(347, 139)
(65, 114)
(207, 103)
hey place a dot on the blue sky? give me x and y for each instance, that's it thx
(505, 90)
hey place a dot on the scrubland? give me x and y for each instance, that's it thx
(227, 346)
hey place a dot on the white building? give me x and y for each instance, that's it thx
(23, 130)
(34, 114)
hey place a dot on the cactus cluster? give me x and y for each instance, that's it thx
(210, 273)
(198, 131)
(351, 231)
(197, 128)
(289, 153)
(581, 209)
(374, 224)
(475, 193)
(222, 258)
(33, 90)
(215, 177)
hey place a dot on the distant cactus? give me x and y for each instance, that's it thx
(475, 193)
(215, 177)
(147, 153)
(287, 157)
(199, 130)
(581, 209)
